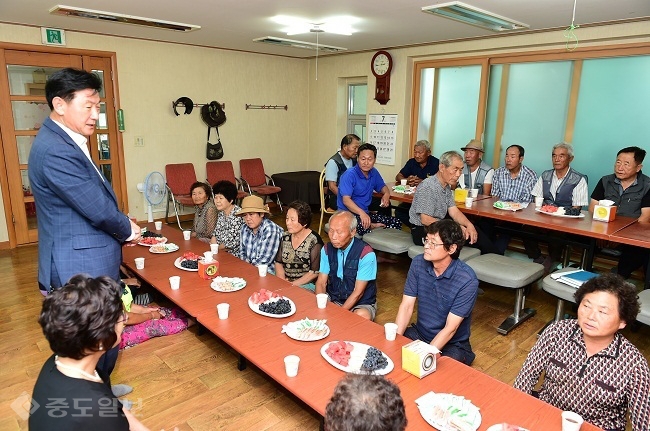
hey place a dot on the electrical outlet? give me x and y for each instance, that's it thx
(139, 141)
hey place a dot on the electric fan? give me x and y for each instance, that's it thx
(154, 191)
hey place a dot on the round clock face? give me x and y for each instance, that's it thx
(381, 64)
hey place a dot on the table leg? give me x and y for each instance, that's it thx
(519, 316)
(241, 363)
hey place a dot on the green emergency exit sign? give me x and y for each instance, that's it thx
(52, 36)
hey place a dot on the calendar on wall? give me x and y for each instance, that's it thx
(382, 133)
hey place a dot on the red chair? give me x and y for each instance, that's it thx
(223, 170)
(256, 181)
(179, 178)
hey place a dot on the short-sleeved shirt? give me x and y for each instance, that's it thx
(515, 189)
(354, 183)
(299, 261)
(454, 291)
(431, 198)
(228, 230)
(472, 176)
(631, 200)
(332, 169)
(413, 168)
(367, 264)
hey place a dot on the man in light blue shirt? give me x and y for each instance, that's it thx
(348, 268)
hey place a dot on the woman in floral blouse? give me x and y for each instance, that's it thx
(205, 216)
(298, 258)
(228, 228)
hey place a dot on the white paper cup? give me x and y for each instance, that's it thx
(321, 300)
(469, 202)
(391, 331)
(175, 282)
(262, 270)
(539, 201)
(222, 310)
(207, 256)
(158, 225)
(214, 248)
(571, 421)
(403, 182)
(187, 234)
(139, 263)
(473, 192)
(291, 363)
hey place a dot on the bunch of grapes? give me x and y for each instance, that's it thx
(149, 234)
(374, 360)
(281, 306)
(190, 264)
(571, 211)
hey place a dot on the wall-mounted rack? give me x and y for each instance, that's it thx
(184, 104)
(285, 107)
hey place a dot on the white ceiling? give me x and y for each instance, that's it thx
(233, 24)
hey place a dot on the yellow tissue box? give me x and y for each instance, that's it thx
(604, 213)
(460, 195)
(419, 358)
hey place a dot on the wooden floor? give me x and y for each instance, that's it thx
(189, 382)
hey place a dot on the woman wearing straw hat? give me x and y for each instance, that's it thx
(260, 237)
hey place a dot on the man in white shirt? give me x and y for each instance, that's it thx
(563, 187)
(80, 226)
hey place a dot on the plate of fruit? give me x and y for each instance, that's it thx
(151, 238)
(560, 211)
(357, 358)
(270, 304)
(188, 261)
(163, 248)
(307, 329)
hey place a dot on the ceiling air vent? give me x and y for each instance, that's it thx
(271, 40)
(120, 18)
(468, 14)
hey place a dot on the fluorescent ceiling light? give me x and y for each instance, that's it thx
(459, 11)
(298, 44)
(336, 25)
(120, 18)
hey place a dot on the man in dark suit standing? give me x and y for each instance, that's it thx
(80, 226)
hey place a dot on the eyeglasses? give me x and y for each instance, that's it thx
(430, 243)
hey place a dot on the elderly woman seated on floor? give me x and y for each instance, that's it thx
(298, 257)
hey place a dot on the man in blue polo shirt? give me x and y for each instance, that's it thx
(445, 289)
(356, 187)
(348, 268)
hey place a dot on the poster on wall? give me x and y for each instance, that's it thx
(382, 133)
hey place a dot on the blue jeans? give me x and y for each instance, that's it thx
(460, 351)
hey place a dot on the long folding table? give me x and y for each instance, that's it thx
(259, 339)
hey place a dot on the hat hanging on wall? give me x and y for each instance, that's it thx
(186, 102)
(213, 114)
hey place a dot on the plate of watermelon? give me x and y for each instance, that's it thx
(188, 262)
(270, 304)
(152, 240)
(560, 211)
(357, 358)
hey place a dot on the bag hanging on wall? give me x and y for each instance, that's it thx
(213, 115)
(214, 151)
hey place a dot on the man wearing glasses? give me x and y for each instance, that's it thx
(445, 289)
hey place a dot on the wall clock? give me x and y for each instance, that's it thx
(382, 64)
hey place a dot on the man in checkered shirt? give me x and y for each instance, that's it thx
(589, 367)
(513, 182)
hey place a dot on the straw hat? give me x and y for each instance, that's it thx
(253, 204)
(474, 144)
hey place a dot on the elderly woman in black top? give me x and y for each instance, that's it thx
(81, 321)
(205, 216)
(298, 257)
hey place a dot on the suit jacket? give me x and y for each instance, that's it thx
(80, 226)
